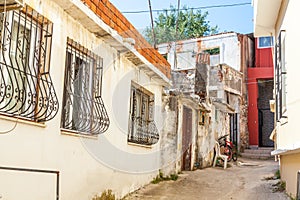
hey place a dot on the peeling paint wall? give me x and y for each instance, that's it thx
(208, 79)
(205, 142)
(169, 137)
(225, 91)
(247, 61)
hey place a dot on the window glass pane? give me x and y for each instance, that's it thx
(83, 108)
(26, 86)
(264, 42)
(142, 129)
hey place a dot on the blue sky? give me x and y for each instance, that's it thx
(238, 19)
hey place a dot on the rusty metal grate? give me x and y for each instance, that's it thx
(142, 127)
(26, 88)
(83, 108)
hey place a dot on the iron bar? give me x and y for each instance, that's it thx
(83, 107)
(26, 88)
(142, 127)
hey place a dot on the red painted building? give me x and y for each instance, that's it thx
(260, 91)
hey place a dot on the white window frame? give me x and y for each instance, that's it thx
(264, 47)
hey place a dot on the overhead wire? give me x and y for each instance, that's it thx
(176, 29)
(152, 24)
(193, 8)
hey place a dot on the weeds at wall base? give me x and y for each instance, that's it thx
(106, 195)
(279, 186)
(161, 177)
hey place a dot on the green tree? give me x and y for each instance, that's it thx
(191, 24)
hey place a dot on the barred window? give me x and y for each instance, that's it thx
(26, 88)
(83, 109)
(280, 77)
(142, 129)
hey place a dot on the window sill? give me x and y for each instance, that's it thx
(22, 120)
(139, 145)
(77, 134)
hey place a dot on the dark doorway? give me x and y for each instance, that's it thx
(234, 128)
(186, 138)
(265, 116)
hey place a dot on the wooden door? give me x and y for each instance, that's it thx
(186, 138)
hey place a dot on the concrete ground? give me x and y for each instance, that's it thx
(246, 179)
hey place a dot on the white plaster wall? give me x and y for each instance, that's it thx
(229, 48)
(87, 165)
(187, 50)
(288, 135)
(289, 169)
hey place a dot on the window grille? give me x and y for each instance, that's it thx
(26, 88)
(142, 129)
(83, 108)
(280, 77)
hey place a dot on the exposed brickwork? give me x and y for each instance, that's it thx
(110, 15)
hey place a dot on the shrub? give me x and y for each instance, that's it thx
(106, 195)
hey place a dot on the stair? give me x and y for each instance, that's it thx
(263, 153)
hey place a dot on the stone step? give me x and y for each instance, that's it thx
(263, 156)
(258, 151)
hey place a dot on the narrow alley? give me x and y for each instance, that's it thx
(95, 106)
(246, 179)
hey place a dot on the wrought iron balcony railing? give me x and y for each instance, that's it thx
(143, 132)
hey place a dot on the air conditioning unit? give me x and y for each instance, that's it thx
(6, 5)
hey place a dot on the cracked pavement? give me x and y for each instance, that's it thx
(245, 179)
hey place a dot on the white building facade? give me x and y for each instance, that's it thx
(81, 104)
(277, 19)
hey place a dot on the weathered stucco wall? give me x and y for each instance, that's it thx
(205, 142)
(169, 139)
(196, 74)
